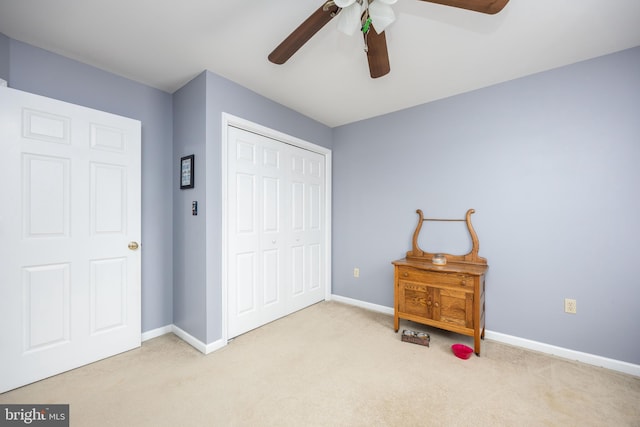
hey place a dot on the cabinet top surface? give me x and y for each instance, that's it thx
(450, 267)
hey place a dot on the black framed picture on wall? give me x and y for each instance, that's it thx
(186, 172)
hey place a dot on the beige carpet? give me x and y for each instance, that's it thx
(337, 365)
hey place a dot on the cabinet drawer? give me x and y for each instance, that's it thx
(435, 278)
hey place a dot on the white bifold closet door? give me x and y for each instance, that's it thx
(276, 237)
(69, 227)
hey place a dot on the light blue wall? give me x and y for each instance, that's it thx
(41, 72)
(4, 57)
(190, 256)
(549, 162)
(198, 108)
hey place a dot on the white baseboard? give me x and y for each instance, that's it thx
(189, 339)
(590, 359)
(216, 345)
(565, 353)
(363, 304)
(154, 333)
(184, 336)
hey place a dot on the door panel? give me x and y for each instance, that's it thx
(108, 201)
(297, 206)
(315, 264)
(70, 285)
(46, 306)
(45, 193)
(108, 294)
(245, 195)
(46, 126)
(297, 269)
(245, 292)
(271, 276)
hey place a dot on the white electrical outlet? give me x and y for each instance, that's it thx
(356, 272)
(570, 306)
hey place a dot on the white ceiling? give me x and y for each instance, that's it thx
(435, 51)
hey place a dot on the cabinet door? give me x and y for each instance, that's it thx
(454, 307)
(416, 299)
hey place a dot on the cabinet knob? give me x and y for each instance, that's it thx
(437, 305)
(405, 274)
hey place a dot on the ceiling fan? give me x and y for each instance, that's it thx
(365, 14)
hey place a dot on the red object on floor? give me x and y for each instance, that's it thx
(462, 351)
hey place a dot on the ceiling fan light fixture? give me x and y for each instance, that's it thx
(345, 3)
(348, 20)
(381, 14)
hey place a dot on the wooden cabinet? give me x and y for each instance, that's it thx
(449, 296)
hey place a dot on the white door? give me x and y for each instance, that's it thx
(276, 236)
(70, 206)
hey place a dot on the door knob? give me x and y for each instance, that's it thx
(133, 246)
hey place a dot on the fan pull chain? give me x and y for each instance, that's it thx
(366, 27)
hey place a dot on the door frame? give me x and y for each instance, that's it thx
(240, 123)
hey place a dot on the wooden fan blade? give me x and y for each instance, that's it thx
(302, 34)
(377, 53)
(484, 6)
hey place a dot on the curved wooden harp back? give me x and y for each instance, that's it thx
(471, 258)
